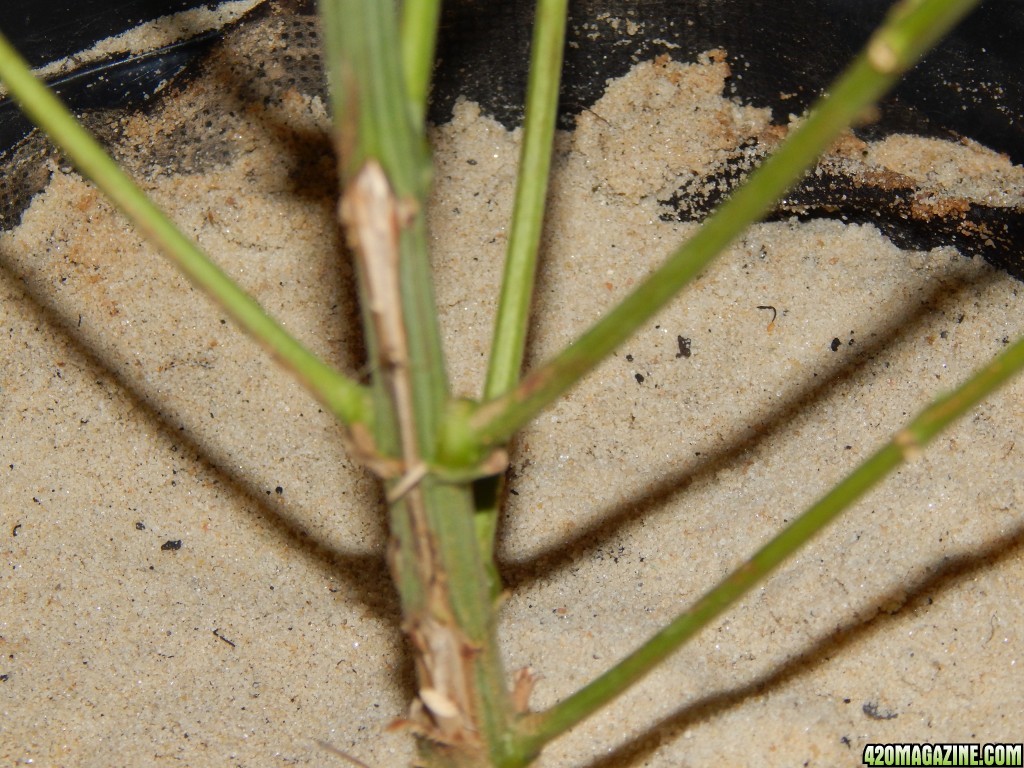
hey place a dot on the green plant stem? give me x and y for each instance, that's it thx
(369, 106)
(905, 445)
(908, 32)
(345, 398)
(463, 706)
(509, 341)
(418, 34)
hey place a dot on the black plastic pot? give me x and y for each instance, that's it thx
(786, 52)
(50, 30)
(783, 54)
(970, 86)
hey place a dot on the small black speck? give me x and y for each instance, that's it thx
(629, 358)
(171, 546)
(471, 161)
(684, 347)
(140, 526)
(14, 530)
(4, 678)
(639, 378)
(871, 709)
(836, 344)
(513, 491)
(279, 490)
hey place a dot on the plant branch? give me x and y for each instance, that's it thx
(509, 341)
(911, 28)
(345, 398)
(418, 36)
(905, 445)
(513, 317)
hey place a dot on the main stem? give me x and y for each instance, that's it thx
(463, 711)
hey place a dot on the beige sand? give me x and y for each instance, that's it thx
(133, 415)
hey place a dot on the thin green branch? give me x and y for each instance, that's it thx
(910, 30)
(418, 35)
(345, 398)
(905, 445)
(531, 191)
(509, 341)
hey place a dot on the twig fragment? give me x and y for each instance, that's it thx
(344, 755)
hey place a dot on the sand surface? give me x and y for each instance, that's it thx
(193, 569)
